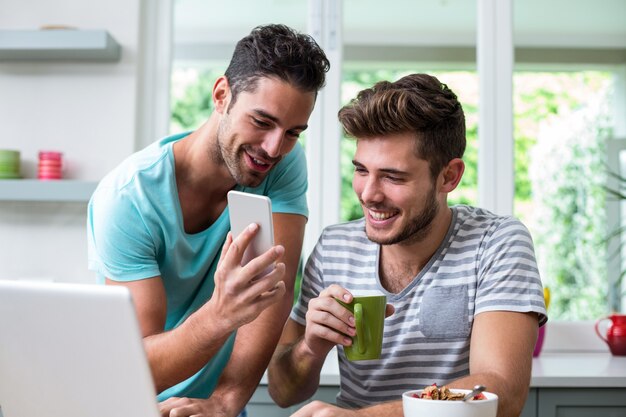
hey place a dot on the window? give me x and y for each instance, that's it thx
(561, 128)
(191, 91)
(567, 70)
(565, 105)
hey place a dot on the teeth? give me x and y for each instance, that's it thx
(376, 215)
(256, 161)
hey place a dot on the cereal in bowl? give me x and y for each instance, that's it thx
(433, 392)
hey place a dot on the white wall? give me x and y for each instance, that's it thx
(85, 110)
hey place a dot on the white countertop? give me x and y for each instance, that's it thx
(579, 369)
(550, 370)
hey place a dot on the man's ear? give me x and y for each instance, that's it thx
(452, 174)
(221, 94)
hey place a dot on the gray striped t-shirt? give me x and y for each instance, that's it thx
(485, 263)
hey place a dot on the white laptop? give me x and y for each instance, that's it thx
(71, 350)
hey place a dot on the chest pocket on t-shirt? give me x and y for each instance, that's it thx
(443, 312)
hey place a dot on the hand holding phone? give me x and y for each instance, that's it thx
(244, 289)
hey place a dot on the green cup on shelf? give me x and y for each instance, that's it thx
(9, 164)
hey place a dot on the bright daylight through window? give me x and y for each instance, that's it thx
(563, 123)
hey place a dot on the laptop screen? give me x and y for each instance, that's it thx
(71, 350)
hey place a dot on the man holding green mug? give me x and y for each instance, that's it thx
(463, 281)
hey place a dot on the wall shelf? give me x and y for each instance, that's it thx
(47, 191)
(58, 44)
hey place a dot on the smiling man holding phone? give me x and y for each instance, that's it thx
(159, 225)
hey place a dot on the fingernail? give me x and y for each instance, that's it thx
(351, 320)
(253, 227)
(347, 341)
(346, 297)
(279, 250)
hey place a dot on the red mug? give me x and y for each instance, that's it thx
(615, 333)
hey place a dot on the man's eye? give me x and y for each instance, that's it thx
(260, 123)
(293, 135)
(360, 170)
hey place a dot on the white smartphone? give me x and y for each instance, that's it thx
(246, 208)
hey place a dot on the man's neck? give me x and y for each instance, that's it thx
(201, 181)
(196, 170)
(400, 263)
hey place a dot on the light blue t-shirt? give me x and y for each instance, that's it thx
(135, 231)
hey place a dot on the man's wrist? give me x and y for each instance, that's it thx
(318, 352)
(206, 328)
(227, 402)
(303, 356)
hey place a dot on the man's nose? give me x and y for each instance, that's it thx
(371, 191)
(273, 143)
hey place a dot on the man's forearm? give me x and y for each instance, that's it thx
(179, 353)
(511, 396)
(294, 374)
(256, 341)
(389, 409)
(253, 349)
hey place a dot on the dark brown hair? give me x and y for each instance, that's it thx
(277, 51)
(416, 103)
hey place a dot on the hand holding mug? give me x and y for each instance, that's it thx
(327, 322)
(332, 320)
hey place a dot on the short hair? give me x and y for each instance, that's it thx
(416, 103)
(277, 51)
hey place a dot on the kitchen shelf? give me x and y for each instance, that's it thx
(42, 191)
(58, 44)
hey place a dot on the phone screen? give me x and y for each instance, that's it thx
(246, 208)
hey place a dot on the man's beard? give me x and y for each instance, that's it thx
(225, 154)
(418, 227)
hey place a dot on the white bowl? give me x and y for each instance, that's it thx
(417, 407)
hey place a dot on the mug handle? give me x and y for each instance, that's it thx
(358, 317)
(598, 330)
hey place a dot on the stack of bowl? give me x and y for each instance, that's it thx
(50, 165)
(9, 164)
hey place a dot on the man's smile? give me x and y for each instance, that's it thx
(380, 217)
(256, 163)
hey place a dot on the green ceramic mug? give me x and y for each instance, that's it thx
(369, 315)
